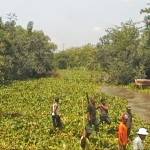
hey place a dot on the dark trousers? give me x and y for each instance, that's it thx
(56, 121)
(129, 131)
(105, 118)
(94, 123)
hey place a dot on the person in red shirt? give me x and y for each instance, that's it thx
(123, 133)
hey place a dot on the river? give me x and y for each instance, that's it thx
(139, 102)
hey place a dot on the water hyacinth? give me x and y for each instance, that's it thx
(25, 117)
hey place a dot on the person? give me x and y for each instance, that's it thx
(104, 117)
(138, 141)
(84, 141)
(56, 114)
(123, 133)
(91, 114)
(129, 121)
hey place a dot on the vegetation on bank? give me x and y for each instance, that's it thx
(25, 116)
(24, 53)
(122, 54)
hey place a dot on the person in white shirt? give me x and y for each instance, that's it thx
(56, 114)
(138, 141)
(84, 141)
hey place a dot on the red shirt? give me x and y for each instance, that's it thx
(122, 134)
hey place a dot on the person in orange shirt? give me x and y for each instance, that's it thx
(123, 133)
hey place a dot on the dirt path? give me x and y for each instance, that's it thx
(139, 102)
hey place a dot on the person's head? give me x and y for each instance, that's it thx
(124, 118)
(128, 109)
(142, 133)
(57, 99)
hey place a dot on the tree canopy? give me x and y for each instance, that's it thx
(122, 54)
(24, 53)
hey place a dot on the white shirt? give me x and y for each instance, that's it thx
(87, 143)
(138, 144)
(55, 109)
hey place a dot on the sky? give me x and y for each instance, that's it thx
(71, 23)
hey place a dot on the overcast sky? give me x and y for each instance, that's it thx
(73, 22)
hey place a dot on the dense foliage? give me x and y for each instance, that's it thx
(76, 57)
(123, 54)
(25, 116)
(118, 53)
(23, 52)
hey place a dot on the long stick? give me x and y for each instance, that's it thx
(83, 113)
(87, 97)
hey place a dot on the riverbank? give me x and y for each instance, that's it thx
(140, 102)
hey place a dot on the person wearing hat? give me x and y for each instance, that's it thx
(129, 121)
(123, 133)
(138, 141)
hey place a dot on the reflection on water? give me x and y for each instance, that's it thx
(139, 102)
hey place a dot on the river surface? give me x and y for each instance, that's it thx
(139, 102)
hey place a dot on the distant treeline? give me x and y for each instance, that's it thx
(122, 55)
(24, 53)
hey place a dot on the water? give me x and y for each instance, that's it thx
(139, 102)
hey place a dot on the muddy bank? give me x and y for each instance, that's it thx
(139, 102)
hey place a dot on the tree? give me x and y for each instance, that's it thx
(1, 23)
(117, 52)
(144, 45)
(76, 57)
(24, 55)
(30, 26)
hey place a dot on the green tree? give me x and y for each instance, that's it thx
(76, 57)
(117, 52)
(30, 26)
(24, 55)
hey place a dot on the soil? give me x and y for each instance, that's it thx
(139, 102)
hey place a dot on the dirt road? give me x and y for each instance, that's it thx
(139, 102)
